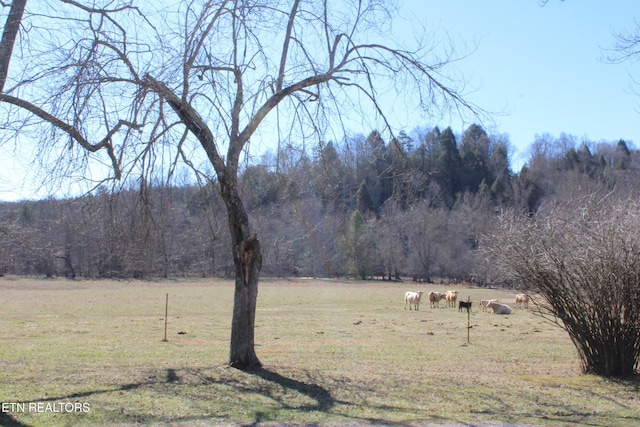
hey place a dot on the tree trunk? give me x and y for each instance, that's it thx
(247, 258)
(9, 35)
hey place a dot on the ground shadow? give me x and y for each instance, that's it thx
(6, 420)
(320, 396)
(324, 400)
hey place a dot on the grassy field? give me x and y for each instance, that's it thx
(335, 353)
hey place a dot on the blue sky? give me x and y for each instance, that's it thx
(542, 67)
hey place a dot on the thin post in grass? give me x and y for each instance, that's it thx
(469, 320)
(166, 316)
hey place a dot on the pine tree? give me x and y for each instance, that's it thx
(448, 166)
(474, 153)
(363, 197)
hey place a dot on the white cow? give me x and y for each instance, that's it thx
(485, 302)
(522, 300)
(499, 308)
(412, 298)
(451, 298)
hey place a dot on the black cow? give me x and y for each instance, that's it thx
(464, 304)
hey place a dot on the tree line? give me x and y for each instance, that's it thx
(413, 207)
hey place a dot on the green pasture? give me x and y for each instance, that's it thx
(334, 353)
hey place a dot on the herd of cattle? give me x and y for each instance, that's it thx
(451, 297)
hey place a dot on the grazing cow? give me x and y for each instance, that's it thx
(499, 308)
(412, 298)
(522, 300)
(435, 298)
(485, 302)
(464, 304)
(451, 298)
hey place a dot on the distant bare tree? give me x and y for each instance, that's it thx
(112, 88)
(580, 260)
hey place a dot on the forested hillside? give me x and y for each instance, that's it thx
(414, 207)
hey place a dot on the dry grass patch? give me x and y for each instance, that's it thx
(334, 353)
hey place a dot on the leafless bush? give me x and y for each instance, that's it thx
(581, 261)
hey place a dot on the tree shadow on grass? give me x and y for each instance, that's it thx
(6, 420)
(324, 400)
(296, 391)
(300, 392)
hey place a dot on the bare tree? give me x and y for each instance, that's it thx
(580, 260)
(111, 89)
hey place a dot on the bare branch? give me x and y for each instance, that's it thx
(410, 64)
(276, 98)
(627, 47)
(191, 120)
(105, 143)
(285, 47)
(192, 53)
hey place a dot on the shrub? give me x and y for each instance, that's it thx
(580, 260)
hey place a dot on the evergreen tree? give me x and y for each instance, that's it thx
(375, 168)
(433, 147)
(474, 152)
(586, 162)
(365, 204)
(448, 166)
(400, 181)
(622, 147)
(331, 181)
(499, 169)
(624, 155)
(571, 159)
(405, 141)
